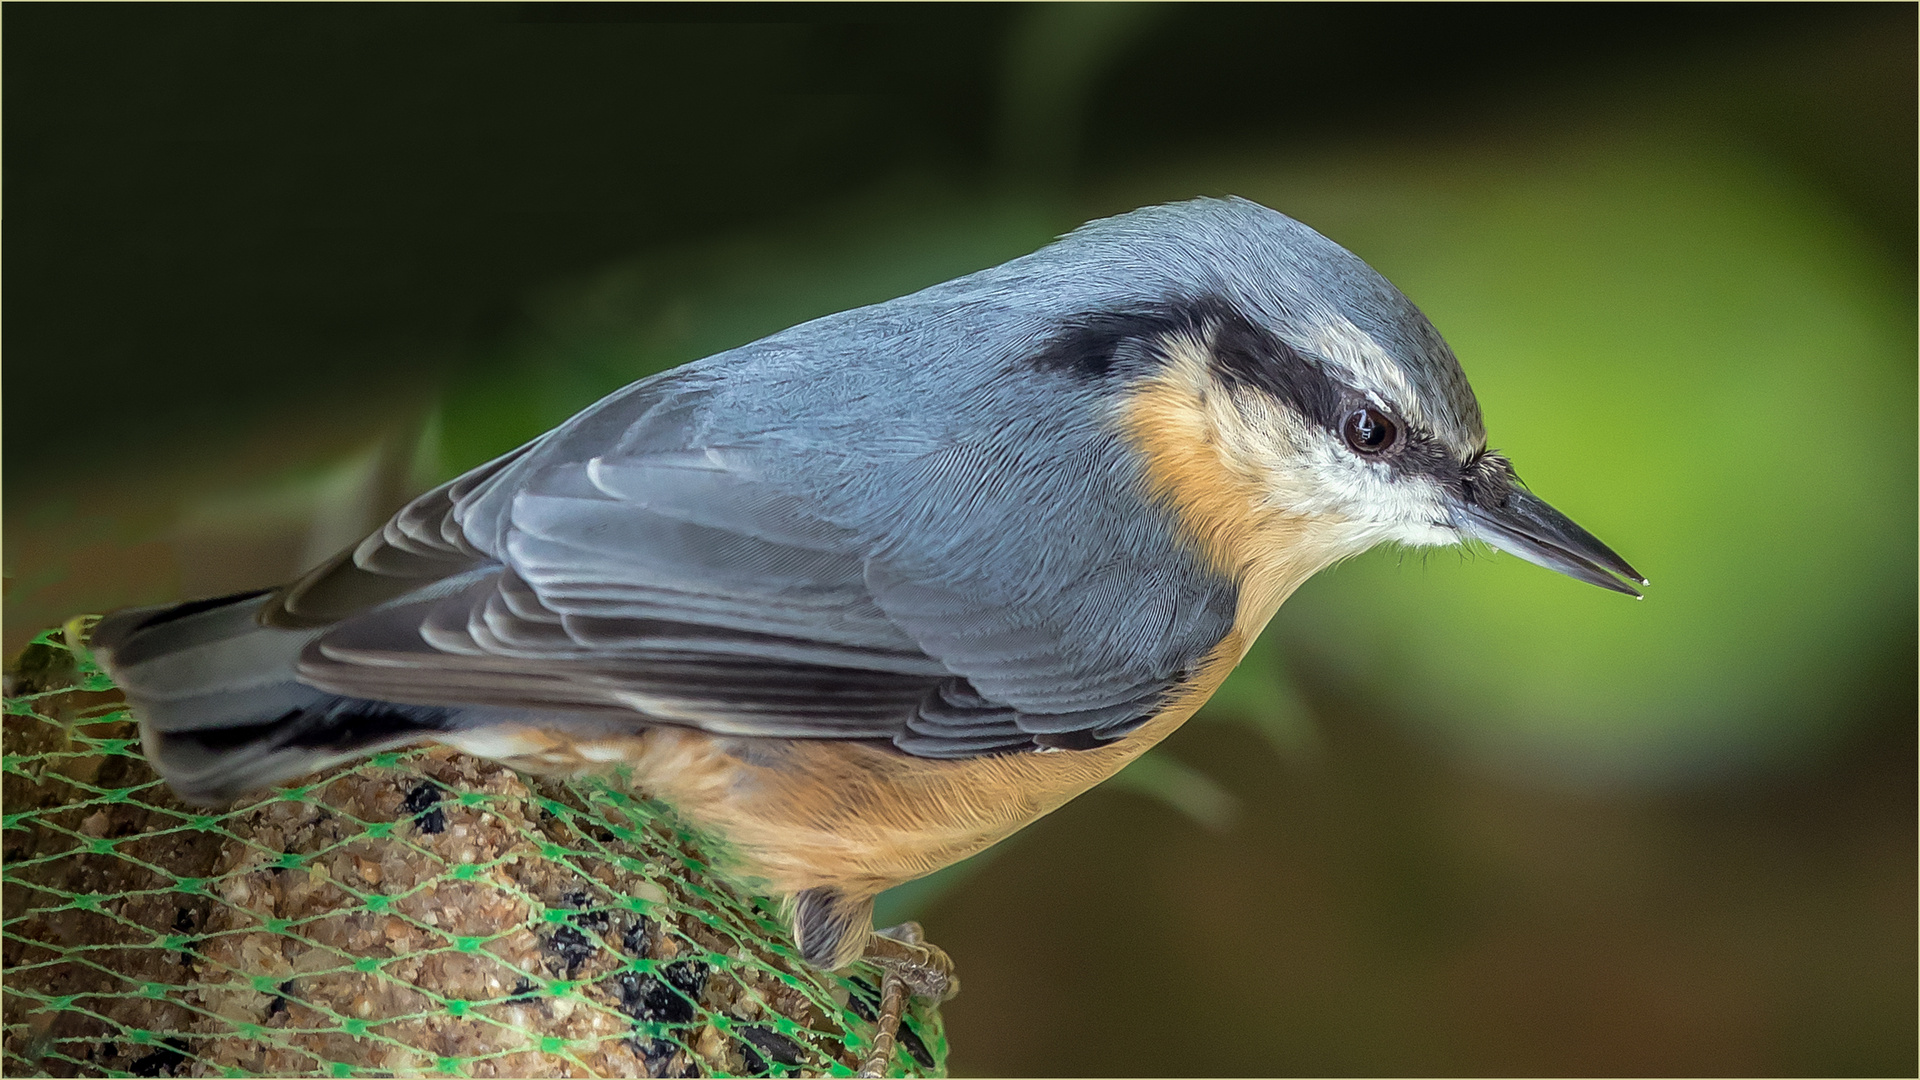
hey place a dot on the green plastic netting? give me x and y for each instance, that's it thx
(422, 913)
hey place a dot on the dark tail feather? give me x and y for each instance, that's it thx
(220, 711)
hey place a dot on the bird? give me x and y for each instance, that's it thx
(868, 595)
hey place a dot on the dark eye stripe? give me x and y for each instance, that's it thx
(1126, 345)
(1099, 345)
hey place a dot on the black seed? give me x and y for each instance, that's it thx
(752, 1063)
(277, 1006)
(591, 920)
(865, 1000)
(639, 936)
(688, 976)
(651, 998)
(523, 991)
(633, 996)
(773, 1044)
(424, 796)
(162, 1061)
(915, 1047)
(421, 801)
(571, 946)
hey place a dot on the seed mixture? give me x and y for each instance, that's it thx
(423, 913)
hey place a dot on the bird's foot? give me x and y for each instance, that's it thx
(908, 966)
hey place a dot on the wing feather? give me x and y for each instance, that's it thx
(675, 554)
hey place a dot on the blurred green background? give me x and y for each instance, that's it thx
(270, 270)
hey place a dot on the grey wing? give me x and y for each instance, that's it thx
(634, 562)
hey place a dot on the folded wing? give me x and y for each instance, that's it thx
(636, 562)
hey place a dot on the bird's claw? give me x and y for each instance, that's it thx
(908, 965)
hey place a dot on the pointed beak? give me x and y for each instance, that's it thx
(1516, 521)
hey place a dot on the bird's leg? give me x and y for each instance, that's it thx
(908, 966)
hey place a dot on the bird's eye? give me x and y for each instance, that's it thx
(1369, 431)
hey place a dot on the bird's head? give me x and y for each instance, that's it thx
(1294, 408)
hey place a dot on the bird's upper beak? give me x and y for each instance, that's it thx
(1518, 522)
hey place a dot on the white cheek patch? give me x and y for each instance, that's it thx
(1322, 479)
(1306, 471)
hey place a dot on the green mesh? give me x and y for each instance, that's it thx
(422, 913)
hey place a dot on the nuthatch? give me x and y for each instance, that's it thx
(867, 596)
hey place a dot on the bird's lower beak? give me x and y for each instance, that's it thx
(1521, 524)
